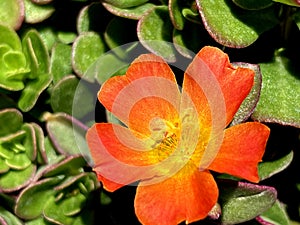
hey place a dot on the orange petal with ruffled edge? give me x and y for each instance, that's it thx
(187, 196)
(242, 149)
(148, 90)
(235, 83)
(120, 157)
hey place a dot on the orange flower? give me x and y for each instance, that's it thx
(173, 138)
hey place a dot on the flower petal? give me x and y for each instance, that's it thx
(235, 83)
(187, 196)
(148, 82)
(242, 149)
(120, 157)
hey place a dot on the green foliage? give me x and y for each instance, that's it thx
(54, 56)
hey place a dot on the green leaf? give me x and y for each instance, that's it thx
(72, 97)
(106, 66)
(276, 215)
(14, 180)
(8, 217)
(87, 48)
(248, 105)
(232, 26)
(12, 13)
(31, 202)
(39, 77)
(280, 95)
(134, 13)
(175, 14)
(60, 64)
(68, 135)
(10, 116)
(155, 31)
(126, 3)
(242, 202)
(71, 165)
(253, 4)
(3, 166)
(10, 38)
(18, 162)
(268, 169)
(35, 13)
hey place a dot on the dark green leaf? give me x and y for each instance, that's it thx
(87, 48)
(242, 202)
(131, 13)
(268, 169)
(60, 65)
(155, 32)
(280, 95)
(126, 3)
(232, 26)
(276, 215)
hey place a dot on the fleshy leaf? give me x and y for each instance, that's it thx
(7, 218)
(72, 97)
(36, 196)
(155, 32)
(232, 26)
(39, 77)
(35, 13)
(280, 95)
(268, 169)
(253, 4)
(86, 49)
(126, 3)
(175, 14)
(69, 166)
(242, 202)
(131, 13)
(110, 65)
(68, 135)
(60, 64)
(13, 117)
(12, 13)
(14, 180)
(248, 105)
(13, 69)
(276, 215)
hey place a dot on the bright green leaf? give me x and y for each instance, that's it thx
(31, 202)
(35, 13)
(12, 13)
(14, 180)
(9, 218)
(13, 117)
